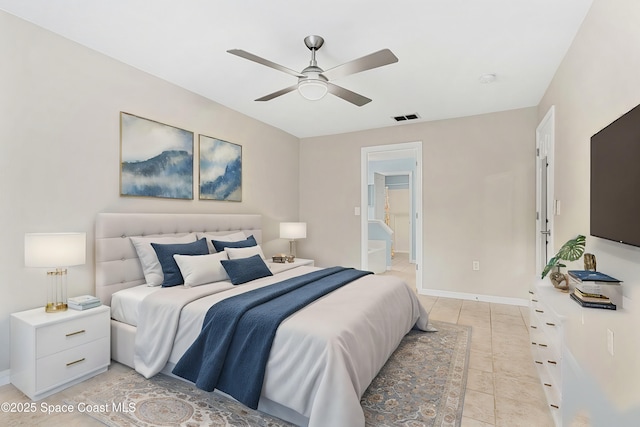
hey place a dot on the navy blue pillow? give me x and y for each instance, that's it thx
(243, 270)
(170, 269)
(248, 242)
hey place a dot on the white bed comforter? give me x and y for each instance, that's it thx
(323, 357)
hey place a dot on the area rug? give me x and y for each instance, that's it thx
(422, 384)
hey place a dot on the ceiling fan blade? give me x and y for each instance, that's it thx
(347, 95)
(278, 93)
(251, 57)
(367, 62)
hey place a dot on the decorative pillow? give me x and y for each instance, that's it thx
(243, 270)
(235, 253)
(172, 276)
(200, 269)
(233, 237)
(148, 258)
(220, 245)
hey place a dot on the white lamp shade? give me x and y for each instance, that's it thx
(312, 89)
(293, 230)
(54, 250)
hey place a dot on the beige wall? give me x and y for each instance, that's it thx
(478, 199)
(596, 83)
(59, 154)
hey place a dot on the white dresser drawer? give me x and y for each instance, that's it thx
(65, 335)
(552, 389)
(546, 335)
(75, 362)
(548, 324)
(44, 347)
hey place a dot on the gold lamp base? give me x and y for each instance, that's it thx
(55, 307)
(57, 291)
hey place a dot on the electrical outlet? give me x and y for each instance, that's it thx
(476, 265)
(610, 341)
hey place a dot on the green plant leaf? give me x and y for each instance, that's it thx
(573, 249)
(570, 251)
(552, 263)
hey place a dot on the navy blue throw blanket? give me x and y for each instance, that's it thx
(232, 350)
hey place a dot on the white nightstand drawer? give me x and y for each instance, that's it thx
(65, 335)
(75, 362)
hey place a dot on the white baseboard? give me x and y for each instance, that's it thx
(5, 377)
(523, 302)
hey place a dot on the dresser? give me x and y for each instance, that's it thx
(546, 336)
(587, 359)
(52, 351)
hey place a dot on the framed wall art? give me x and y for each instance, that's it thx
(220, 170)
(156, 160)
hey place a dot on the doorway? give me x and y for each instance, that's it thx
(390, 161)
(546, 207)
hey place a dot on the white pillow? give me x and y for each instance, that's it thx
(233, 237)
(235, 253)
(200, 269)
(149, 260)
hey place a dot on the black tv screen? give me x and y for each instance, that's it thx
(615, 180)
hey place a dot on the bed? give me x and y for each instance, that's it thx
(323, 357)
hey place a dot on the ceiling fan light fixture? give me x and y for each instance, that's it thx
(312, 89)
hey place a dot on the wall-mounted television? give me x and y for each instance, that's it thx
(615, 180)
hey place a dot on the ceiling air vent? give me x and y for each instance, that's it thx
(406, 117)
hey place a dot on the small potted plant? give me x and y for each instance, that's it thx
(572, 250)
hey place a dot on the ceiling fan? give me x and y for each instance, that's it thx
(314, 82)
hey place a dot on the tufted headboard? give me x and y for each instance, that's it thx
(117, 264)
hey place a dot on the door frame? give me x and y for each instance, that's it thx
(412, 253)
(545, 145)
(417, 194)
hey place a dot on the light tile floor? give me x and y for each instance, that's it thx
(502, 386)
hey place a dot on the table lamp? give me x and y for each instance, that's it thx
(293, 231)
(56, 251)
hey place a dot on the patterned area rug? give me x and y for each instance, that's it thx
(422, 384)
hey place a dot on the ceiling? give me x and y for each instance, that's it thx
(443, 46)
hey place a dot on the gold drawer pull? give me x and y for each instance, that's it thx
(551, 324)
(554, 406)
(547, 384)
(542, 345)
(538, 362)
(553, 362)
(76, 361)
(539, 311)
(533, 343)
(534, 327)
(76, 333)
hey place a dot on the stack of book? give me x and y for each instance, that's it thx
(83, 302)
(592, 289)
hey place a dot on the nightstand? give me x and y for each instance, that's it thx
(297, 262)
(277, 267)
(52, 351)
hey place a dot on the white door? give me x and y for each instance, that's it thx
(545, 205)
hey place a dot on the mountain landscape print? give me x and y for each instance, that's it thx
(156, 159)
(220, 170)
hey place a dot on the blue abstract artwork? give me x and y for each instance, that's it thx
(220, 170)
(156, 159)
